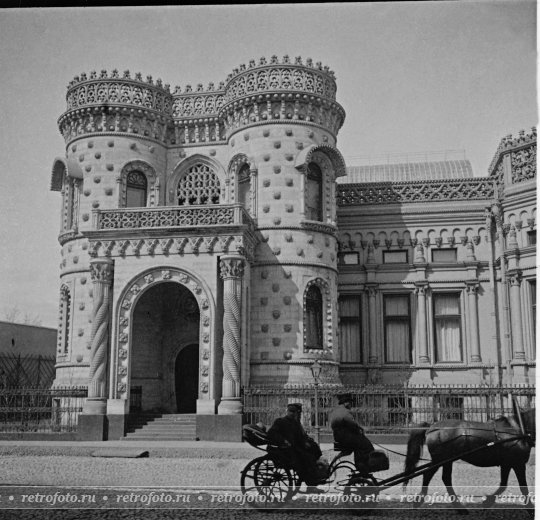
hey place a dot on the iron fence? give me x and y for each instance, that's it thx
(26, 371)
(384, 408)
(40, 409)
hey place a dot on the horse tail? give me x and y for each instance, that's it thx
(416, 441)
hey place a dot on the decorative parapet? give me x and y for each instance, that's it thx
(199, 103)
(193, 216)
(418, 191)
(283, 90)
(109, 102)
(112, 89)
(522, 152)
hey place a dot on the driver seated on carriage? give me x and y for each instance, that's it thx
(349, 435)
(291, 445)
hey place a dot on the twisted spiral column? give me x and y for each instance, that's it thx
(232, 272)
(101, 272)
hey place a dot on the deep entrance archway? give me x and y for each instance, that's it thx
(165, 316)
(186, 374)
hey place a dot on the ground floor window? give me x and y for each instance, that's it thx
(350, 329)
(397, 328)
(447, 321)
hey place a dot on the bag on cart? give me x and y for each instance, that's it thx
(378, 461)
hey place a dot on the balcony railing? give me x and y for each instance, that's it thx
(170, 217)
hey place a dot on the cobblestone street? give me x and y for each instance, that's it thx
(41, 476)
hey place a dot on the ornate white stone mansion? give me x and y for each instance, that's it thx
(215, 238)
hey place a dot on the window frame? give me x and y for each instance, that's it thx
(136, 188)
(342, 254)
(440, 249)
(394, 251)
(435, 317)
(397, 318)
(317, 176)
(343, 320)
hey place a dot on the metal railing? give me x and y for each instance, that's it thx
(40, 410)
(383, 408)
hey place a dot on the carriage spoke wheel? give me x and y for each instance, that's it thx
(265, 485)
(339, 477)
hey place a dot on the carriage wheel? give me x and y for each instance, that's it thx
(266, 485)
(340, 475)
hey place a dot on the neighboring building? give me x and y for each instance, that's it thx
(18, 338)
(206, 235)
(27, 356)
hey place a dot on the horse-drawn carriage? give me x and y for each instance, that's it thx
(270, 481)
(272, 478)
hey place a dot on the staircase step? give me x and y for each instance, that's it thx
(162, 427)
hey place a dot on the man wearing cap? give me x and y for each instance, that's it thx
(300, 450)
(349, 434)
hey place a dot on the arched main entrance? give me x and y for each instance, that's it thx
(166, 315)
(186, 375)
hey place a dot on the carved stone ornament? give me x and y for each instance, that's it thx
(232, 268)
(122, 353)
(135, 289)
(148, 278)
(123, 338)
(206, 355)
(101, 271)
(122, 387)
(124, 321)
(122, 371)
(166, 274)
(126, 304)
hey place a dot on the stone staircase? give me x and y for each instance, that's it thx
(166, 427)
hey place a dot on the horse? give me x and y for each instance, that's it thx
(451, 438)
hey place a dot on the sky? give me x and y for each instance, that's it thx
(413, 77)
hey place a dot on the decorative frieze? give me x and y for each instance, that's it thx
(415, 191)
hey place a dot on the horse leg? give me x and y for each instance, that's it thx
(447, 480)
(520, 472)
(428, 475)
(505, 472)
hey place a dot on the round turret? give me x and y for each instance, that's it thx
(281, 91)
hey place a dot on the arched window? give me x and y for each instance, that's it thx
(314, 318)
(314, 198)
(136, 189)
(70, 191)
(200, 185)
(244, 187)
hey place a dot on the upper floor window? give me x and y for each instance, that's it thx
(136, 189)
(350, 329)
(314, 198)
(444, 255)
(531, 237)
(447, 321)
(346, 258)
(200, 186)
(71, 200)
(244, 187)
(395, 257)
(397, 328)
(314, 318)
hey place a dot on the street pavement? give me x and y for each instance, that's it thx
(202, 480)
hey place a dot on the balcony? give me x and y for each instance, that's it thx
(172, 217)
